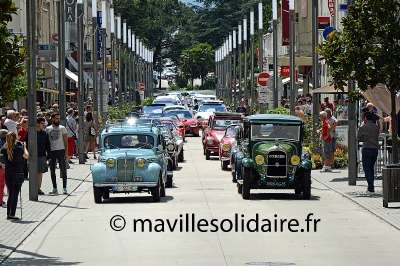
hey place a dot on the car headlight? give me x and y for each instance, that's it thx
(259, 159)
(170, 147)
(226, 147)
(110, 163)
(295, 160)
(210, 141)
(141, 163)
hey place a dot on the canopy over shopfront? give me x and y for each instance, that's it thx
(73, 77)
(329, 89)
(55, 91)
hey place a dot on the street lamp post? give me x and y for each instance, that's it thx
(260, 47)
(31, 73)
(315, 71)
(129, 68)
(133, 39)
(61, 61)
(245, 55)
(235, 97)
(230, 83)
(138, 63)
(81, 89)
(275, 50)
(103, 105)
(112, 25)
(119, 61)
(95, 59)
(292, 59)
(240, 59)
(124, 33)
(252, 55)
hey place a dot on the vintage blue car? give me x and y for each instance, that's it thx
(270, 155)
(132, 159)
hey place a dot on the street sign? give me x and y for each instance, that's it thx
(263, 78)
(41, 72)
(329, 31)
(331, 6)
(142, 87)
(285, 71)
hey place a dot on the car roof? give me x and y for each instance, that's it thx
(274, 118)
(227, 115)
(156, 104)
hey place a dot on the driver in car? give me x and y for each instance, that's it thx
(142, 142)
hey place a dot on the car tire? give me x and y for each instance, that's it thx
(306, 183)
(169, 181)
(297, 191)
(239, 187)
(162, 190)
(97, 194)
(208, 153)
(196, 135)
(106, 193)
(246, 183)
(180, 156)
(233, 174)
(224, 165)
(156, 192)
(174, 163)
(204, 150)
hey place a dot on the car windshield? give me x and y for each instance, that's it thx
(166, 102)
(181, 113)
(275, 131)
(148, 109)
(231, 131)
(222, 123)
(129, 141)
(212, 108)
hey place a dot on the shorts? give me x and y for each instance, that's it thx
(333, 145)
(42, 164)
(77, 142)
(71, 145)
(326, 149)
(89, 138)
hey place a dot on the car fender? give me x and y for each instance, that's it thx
(247, 162)
(306, 164)
(238, 164)
(152, 172)
(100, 173)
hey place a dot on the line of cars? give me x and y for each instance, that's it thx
(263, 151)
(138, 155)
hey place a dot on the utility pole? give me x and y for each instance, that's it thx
(275, 50)
(31, 72)
(292, 59)
(81, 88)
(95, 54)
(104, 92)
(235, 97)
(112, 26)
(252, 55)
(129, 68)
(260, 46)
(245, 56)
(124, 35)
(119, 61)
(240, 60)
(134, 66)
(315, 72)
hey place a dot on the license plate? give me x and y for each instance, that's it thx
(126, 188)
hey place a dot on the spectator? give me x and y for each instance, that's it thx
(24, 113)
(369, 134)
(89, 138)
(326, 141)
(346, 109)
(195, 105)
(247, 107)
(3, 134)
(333, 122)
(77, 137)
(22, 133)
(47, 118)
(374, 118)
(59, 151)
(340, 109)
(43, 149)
(240, 109)
(299, 113)
(310, 107)
(13, 155)
(326, 104)
(3, 119)
(10, 122)
(71, 127)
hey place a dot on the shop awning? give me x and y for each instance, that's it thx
(380, 97)
(55, 91)
(329, 89)
(73, 77)
(75, 65)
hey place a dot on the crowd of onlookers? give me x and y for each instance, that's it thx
(56, 144)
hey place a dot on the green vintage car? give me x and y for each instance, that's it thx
(270, 155)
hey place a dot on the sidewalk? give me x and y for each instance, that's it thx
(12, 234)
(338, 182)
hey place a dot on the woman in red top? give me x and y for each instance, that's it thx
(326, 139)
(23, 131)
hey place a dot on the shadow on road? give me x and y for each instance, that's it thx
(135, 199)
(279, 196)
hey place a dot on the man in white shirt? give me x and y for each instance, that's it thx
(10, 122)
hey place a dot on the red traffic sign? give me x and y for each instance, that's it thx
(142, 87)
(263, 78)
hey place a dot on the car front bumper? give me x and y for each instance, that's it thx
(121, 184)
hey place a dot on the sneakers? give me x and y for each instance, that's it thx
(67, 165)
(326, 169)
(54, 192)
(65, 192)
(70, 162)
(4, 205)
(369, 193)
(86, 157)
(40, 192)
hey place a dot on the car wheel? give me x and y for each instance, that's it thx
(174, 163)
(106, 193)
(162, 191)
(306, 183)
(225, 165)
(156, 192)
(208, 153)
(246, 183)
(180, 156)
(297, 191)
(169, 181)
(196, 135)
(239, 187)
(204, 150)
(97, 194)
(233, 174)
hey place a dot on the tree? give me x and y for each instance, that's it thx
(197, 61)
(12, 57)
(367, 50)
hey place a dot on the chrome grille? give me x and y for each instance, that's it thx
(276, 161)
(121, 170)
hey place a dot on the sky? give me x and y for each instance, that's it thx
(188, 1)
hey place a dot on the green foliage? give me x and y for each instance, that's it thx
(209, 84)
(12, 56)
(174, 87)
(181, 81)
(197, 61)
(192, 88)
(367, 49)
(317, 161)
(147, 101)
(115, 113)
(280, 110)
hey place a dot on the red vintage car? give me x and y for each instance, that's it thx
(175, 126)
(228, 142)
(189, 120)
(215, 130)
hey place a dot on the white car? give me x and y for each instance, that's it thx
(205, 110)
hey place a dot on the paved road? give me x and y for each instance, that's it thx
(79, 232)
